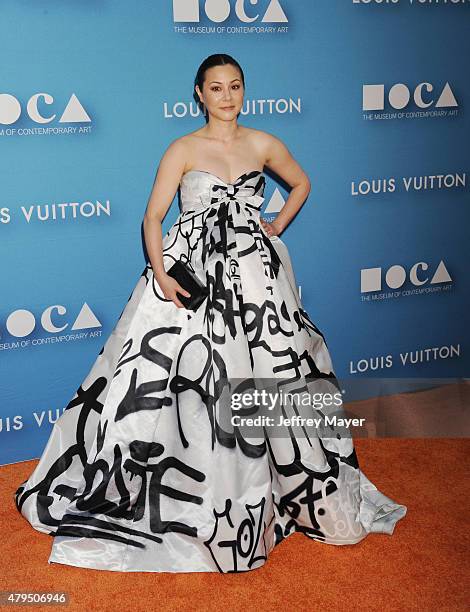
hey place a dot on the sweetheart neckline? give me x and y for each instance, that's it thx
(220, 179)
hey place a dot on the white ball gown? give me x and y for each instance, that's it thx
(138, 473)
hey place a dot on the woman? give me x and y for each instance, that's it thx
(154, 465)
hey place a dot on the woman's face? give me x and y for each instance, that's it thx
(222, 92)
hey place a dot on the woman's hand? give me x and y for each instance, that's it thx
(170, 286)
(271, 229)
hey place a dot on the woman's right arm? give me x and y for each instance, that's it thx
(164, 188)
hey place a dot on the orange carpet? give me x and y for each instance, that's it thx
(422, 566)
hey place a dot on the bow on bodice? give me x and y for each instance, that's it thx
(201, 190)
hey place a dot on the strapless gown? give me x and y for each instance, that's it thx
(142, 471)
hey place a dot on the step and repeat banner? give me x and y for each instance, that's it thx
(369, 96)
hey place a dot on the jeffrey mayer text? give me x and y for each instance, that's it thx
(296, 420)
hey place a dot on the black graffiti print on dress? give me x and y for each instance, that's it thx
(142, 473)
(246, 547)
(141, 398)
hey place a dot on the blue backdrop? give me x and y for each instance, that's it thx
(370, 98)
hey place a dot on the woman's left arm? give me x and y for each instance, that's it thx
(279, 159)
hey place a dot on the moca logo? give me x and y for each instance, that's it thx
(373, 96)
(395, 276)
(21, 323)
(275, 203)
(10, 109)
(219, 10)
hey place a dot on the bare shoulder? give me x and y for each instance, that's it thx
(278, 158)
(265, 142)
(179, 152)
(179, 145)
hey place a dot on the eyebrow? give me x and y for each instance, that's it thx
(221, 81)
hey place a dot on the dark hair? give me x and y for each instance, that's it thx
(217, 59)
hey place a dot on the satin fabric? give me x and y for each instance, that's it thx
(140, 475)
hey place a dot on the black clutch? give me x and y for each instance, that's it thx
(191, 282)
